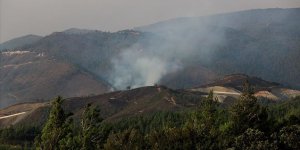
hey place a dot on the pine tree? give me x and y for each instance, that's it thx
(247, 112)
(202, 127)
(130, 139)
(71, 141)
(56, 127)
(91, 134)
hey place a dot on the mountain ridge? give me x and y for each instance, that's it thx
(20, 42)
(182, 56)
(141, 101)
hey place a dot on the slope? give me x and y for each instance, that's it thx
(26, 75)
(19, 42)
(262, 42)
(114, 105)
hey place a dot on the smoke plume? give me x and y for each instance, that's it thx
(165, 51)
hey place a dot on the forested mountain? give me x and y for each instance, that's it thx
(31, 76)
(262, 43)
(20, 42)
(152, 118)
(178, 53)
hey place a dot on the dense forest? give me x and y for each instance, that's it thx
(247, 124)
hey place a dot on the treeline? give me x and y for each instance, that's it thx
(245, 125)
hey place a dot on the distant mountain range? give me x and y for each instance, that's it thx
(262, 42)
(179, 53)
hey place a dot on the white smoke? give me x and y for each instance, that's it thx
(135, 68)
(165, 51)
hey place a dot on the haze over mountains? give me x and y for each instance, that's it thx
(20, 42)
(179, 53)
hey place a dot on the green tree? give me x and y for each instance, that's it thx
(247, 112)
(204, 116)
(56, 127)
(91, 135)
(290, 136)
(71, 141)
(130, 139)
(172, 138)
(202, 124)
(253, 139)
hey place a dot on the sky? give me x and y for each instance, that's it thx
(42, 17)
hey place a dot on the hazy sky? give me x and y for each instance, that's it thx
(41, 17)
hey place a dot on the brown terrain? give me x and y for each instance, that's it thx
(26, 76)
(114, 105)
(145, 100)
(230, 87)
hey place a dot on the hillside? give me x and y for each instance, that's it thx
(237, 80)
(30, 76)
(148, 100)
(179, 53)
(114, 105)
(230, 87)
(19, 42)
(89, 50)
(65, 63)
(262, 42)
(253, 42)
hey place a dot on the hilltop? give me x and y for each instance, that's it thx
(20, 42)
